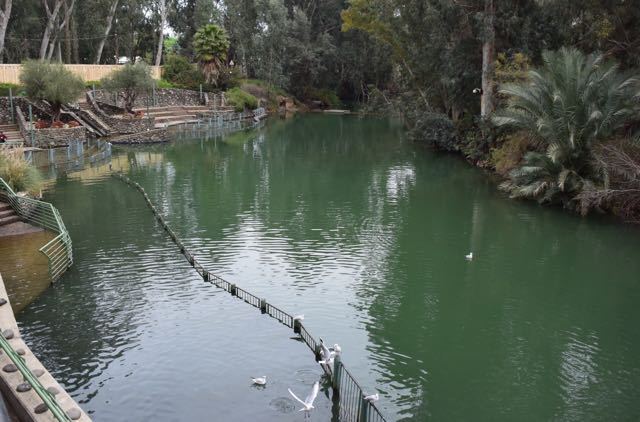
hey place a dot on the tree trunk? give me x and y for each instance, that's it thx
(163, 22)
(112, 13)
(4, 22)
(488, 58)
(75, 42)
(67, 37)
(51, 20)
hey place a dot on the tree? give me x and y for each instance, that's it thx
(211, 46)
(571, 103)
(128, 82)
(52, 83)
(5, 14)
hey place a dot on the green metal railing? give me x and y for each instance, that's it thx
(48, 398)
(348, 394)
(43, 214)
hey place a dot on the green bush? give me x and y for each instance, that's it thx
(508, 155)
(326, 96)
(241, 100)
(435, 129)
(164, 84)
(129, 81)
(91, 84)
(15, 89)
(51, 82)
(21, 176)
(182, 73)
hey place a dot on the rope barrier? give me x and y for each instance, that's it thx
(346, 391)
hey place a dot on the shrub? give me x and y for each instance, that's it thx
(52, 83)
(129, 81)
(508, 155)
(434, 128)
(164, 84)
(15, 89)
(91, 84)
(326, 96)
(21, 176)
(182, 73)
(241, 100)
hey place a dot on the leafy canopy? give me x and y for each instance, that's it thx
(50, 82)
(211, 45)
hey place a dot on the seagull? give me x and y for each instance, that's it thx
(337, 349)
(469, 256)
(308, 402)
(260, 380)
(372, 397)
(326, 354)
(298, 317)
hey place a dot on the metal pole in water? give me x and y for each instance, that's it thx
(364, 410)
(200, 92)
(337, 366)
(263, 306)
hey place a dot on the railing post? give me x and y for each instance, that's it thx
(31, 128)
(154, 93)
(11, 104)
(337, 368)
(364, 410)
(232, 289)
(296, 326)
(263, 306)
(200, 93)
(317, 353)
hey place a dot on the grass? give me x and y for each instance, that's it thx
(241, 100)
(20, 175)
(16, 90)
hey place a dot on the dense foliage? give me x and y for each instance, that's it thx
(17, 172)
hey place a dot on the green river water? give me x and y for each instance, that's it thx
(343, 220)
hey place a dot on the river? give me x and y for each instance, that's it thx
(340, 219)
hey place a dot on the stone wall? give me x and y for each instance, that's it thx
(163, 98)
(50, 137)
(155, 136)
(5, 110)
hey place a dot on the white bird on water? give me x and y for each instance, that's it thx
(372, 398)
(260, 380)
(298, 317)
(469, 256)
(308, 402)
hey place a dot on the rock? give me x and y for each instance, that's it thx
(37, 372)
(10, 367)
(21, 351)
(74, 413)
(8, 334)
(41, 408)
(25, 386)
(3, 301)
(53, 390)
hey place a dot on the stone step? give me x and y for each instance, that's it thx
(6, 128)
(163, 125)
(4, 206)
(164, 119)
(9, 220)
(6, 213)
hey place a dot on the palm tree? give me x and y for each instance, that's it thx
(573, 102)
(211, 45)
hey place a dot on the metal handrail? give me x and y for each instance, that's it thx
(48, 398)
(58, 250)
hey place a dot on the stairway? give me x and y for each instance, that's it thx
(173, 115)
(14, 137)
(7, 214)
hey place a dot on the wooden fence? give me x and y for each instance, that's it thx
(10, 73)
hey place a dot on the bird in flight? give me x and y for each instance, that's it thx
(308, 402)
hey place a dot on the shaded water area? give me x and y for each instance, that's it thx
(341, 219)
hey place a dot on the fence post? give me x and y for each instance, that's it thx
(93, 91)
(317, 353)
(154, 93)
(11, 104)
(201, 93)
(232, 289)
(337, 367)
(296, 326)
(364, 410)
(263, 306)
(31, 128)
